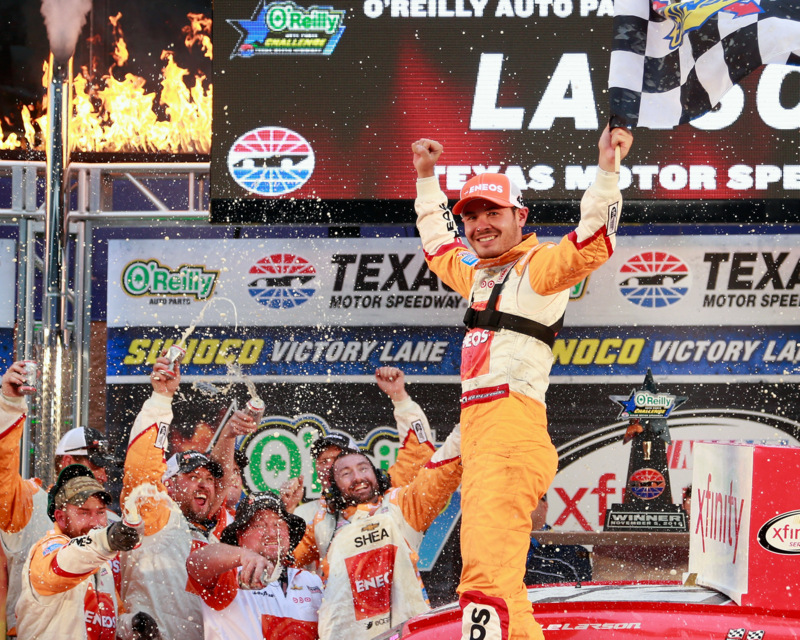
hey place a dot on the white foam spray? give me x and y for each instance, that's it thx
(130, 508)
(64, 20)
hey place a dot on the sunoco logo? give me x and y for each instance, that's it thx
(278, 281)
(651, 279)
(285, 28)
(781, 534)
(271, 161)
(151, 278)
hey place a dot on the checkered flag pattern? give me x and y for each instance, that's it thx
(755, 635)
(735, 634)
(668, 71)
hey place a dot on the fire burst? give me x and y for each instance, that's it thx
(113, 115)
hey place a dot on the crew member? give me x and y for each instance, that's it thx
(178, 507)
(518, 290)
(372, 581)
(416, 449)
(68, 589)
(247, 586)
(23, 503)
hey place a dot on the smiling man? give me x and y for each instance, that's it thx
(67, 583)
(247, 586)
(372, 582)
(518, 290)
(185, 494)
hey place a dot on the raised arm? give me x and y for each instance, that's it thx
(16, 494)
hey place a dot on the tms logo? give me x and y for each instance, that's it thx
(271, 161)
(647, 484)
(280, 279)
(650, 279)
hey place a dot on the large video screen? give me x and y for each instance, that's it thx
(323, 102)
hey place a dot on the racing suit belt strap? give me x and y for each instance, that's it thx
(492, 319)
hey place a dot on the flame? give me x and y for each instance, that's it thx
(110, 115)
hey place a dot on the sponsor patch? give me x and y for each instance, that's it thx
(469, 259)
(53, 546)
(613, 219)
(161, 438)
(419, 429)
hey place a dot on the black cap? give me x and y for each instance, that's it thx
(75, 485)
(186, 461)
(248, 507)
(333, 439)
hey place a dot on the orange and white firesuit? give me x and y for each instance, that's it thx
(370, 569)
(416, 449)
(154, 575)
(509, 460)
(23, 503)
(68, 589)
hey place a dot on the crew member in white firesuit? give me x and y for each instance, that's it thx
(178, 508)
(248, 588)
(371, 577)
(518, 290)
(410, 420)
(68, 589)
(23, 503)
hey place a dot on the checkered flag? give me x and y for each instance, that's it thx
(755, 635)
(735, 634)
(671, 63)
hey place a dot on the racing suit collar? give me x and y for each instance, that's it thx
(512, 255)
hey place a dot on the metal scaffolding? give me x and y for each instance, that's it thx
(91, 190)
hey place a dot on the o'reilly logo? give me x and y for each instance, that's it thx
(151, 278)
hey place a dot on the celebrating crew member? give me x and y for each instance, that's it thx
(68, 589)
(410, 419)
(23, 503)
(247, 587)
(416, 449)
(372, 582)
(186, 492)
(518, 290)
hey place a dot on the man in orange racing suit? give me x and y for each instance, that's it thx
(509, 460)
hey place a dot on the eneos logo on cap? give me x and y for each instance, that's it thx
(494, 187)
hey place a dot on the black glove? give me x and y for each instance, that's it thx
(121, 537)
(145, 627)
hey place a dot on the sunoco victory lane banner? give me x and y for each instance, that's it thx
(8, 274)
(714, 307)
(323, 101)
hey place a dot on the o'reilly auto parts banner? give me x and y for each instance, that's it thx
(8, 274)
(322, 101)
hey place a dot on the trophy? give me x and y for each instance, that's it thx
(647, 505)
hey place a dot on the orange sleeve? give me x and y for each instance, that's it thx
(446, 255)
(555, 268)
(423, 499)
(144, 460)
(57, 566)
(306, 552)
(16, 494)
(411, 457)
(219, 594)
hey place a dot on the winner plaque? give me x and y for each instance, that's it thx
(647, 505)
